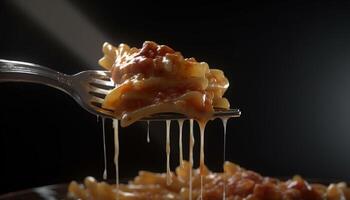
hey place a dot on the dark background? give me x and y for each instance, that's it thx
(287, 62)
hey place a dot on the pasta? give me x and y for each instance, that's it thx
(157, 79)
(242, 184)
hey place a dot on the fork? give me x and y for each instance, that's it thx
(87, 88)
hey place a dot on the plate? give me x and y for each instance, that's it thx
(59, 191)
(50, 192)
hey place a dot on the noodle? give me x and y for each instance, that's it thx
(241, 184)
(156, 79)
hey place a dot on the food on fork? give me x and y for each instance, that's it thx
(157, 79)
(241, 184)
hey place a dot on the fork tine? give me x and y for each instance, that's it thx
(102, 96)
(219, 113)
(96, 99)
(103, 112)
(98, 90)
(103, 83)
(103, 75)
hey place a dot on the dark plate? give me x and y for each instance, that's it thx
(59, 192)
(50, 192)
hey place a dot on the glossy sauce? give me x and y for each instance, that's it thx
(156, 78)
(168, 172)
(116, 154)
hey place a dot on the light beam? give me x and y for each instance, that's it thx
(68, 26)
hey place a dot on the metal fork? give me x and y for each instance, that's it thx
(88, 88)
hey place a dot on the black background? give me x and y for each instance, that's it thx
(287, 62)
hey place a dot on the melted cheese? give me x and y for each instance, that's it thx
(116, 154)
(104, 149)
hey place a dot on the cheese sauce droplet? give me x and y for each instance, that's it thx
(148, 132)
(168, 173)
(104, 149)
(116, 154)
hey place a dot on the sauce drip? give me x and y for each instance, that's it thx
(180, 122)
(168, 173)
(148, 138)
(191, 157)
(104, 148)
(202, 164)
(116, 155)
(224, 123)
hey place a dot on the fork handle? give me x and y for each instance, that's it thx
(15, 71)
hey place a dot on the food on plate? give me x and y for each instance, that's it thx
(241, 184)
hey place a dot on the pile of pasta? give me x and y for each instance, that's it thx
(157, 79)
(241, 184)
